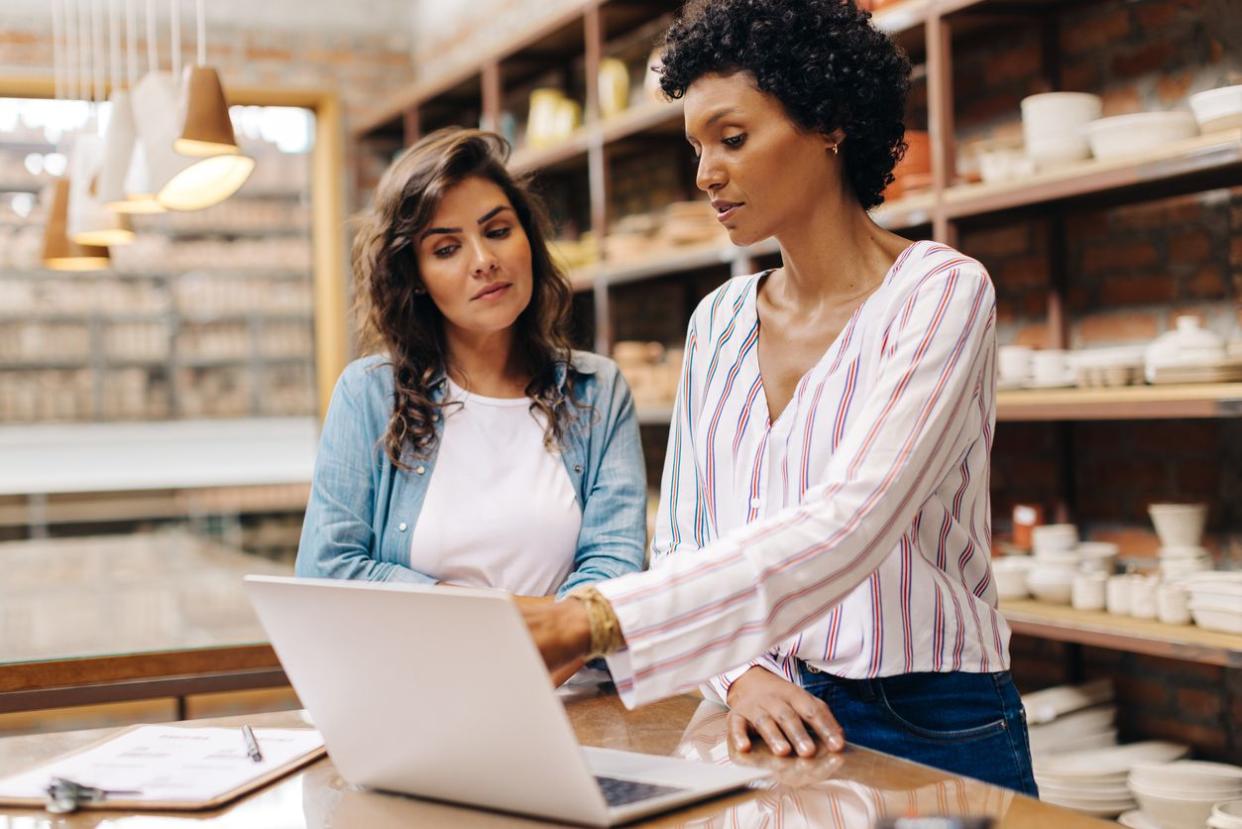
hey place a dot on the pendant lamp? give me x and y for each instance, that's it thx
(60, 253)
(123, 178)
(90, 222)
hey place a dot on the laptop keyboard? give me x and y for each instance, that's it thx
(619, 792)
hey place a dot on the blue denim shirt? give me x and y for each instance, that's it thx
(362, 510)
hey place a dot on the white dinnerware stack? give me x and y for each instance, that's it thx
(1215, 600)
(1009, 573)
(1226, 815)
(1180, 529)
(1013, 366)
(1089, 728)
(1182, 794)
(1054, 564)
(1054, 126)
(1096, 781)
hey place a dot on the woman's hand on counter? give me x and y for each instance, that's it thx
(779, 711)
(561, 631)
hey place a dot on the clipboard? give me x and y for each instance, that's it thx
(306, 746)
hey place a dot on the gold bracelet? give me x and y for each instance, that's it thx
(605, 629)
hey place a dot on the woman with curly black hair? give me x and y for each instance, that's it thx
(823, 538)
(471, 446)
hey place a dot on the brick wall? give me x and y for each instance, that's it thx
(1200, 705)
(1128, 271)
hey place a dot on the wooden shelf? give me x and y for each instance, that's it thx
(1106, 630)
(1212, 154)
(910, 211)
(1128, 403)
(530, 161)
(1133, 403)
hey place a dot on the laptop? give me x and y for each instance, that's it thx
(440, 693)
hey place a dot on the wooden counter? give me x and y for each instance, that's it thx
(848, 790)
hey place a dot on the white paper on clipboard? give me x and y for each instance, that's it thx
(170, 764)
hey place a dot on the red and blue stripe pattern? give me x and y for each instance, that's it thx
(853, 531)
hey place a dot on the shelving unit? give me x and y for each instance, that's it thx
(928, 30)
(1107, 630)
(159, 319)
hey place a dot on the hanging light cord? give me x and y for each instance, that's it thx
(176, 39)
(200, 21)
(153, 55)
(131, 45)
(58, 31)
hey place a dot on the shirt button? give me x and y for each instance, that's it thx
(756, 503)
(401, 527)
(578, 469)
(420, 469)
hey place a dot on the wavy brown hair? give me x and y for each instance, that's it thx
(399, 318)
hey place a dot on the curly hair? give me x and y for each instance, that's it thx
(400, 319)
(822, 59)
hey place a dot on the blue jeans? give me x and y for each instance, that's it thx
(968, 724)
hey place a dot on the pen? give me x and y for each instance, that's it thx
(252, 745)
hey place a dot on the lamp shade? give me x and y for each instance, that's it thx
(180, 182)
(59, 251)
(118, 149)
(90, 223)
(139, 193)
(206, 128)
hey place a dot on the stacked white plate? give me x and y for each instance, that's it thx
(1216, 600)
(1077, 731)
(1095, 781)
(1227, 815)
(1181, 794)
(1047, 705)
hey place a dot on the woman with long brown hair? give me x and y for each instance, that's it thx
(471, 446)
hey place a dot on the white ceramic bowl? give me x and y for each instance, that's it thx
(1053, 537)
(1175, 812)
(1052, 584)
(1187, 552)
(1211, 619)
(1125, 135)
(1010, 576)
(1054, 126)
(1188, 775)
(1218, 109)
(1088, 590)
(1178, 525)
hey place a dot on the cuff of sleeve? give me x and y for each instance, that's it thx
(717, 688)
(407, 576)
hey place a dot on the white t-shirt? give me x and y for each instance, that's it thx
(500, 509)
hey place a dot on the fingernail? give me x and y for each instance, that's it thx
(804, 747)
(836, 742)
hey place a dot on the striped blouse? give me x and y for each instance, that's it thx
(854, 531)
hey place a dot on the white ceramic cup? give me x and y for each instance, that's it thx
(1089, 591)
(1049, 364)
(1173, 604)
(1117, 595)
(1143, 596)
(1013, 362)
